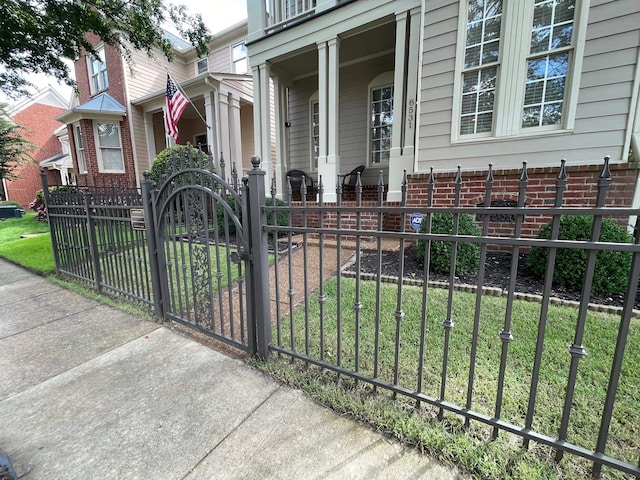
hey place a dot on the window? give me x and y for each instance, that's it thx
(315, 133)
(202, 66)
(200, 142)
(548, 62)
(98, 79)
(239, 58)
(109, 147)
(380, 124)
(512, 81)
(480, 71)
(82, 162)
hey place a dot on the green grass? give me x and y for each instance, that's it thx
(447, 439)
(34, 253)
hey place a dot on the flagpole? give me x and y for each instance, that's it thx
(187, 97)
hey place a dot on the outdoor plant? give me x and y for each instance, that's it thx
(39, 207)
(467, 254)
(176, 158)
(612, 267)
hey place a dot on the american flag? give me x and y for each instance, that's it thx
(176, 103)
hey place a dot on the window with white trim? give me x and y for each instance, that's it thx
(512, 81)
(239, 58)
(380, 124)
(82, 162)
(548, 62)
(202, 66)
(480, 71)
(109, 147)
(97, 67)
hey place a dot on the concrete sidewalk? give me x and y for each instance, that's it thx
(90, 392)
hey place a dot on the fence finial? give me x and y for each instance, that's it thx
(523, 175)
(459, 176)
(606, 172)
(273, 187)
(432, 179)
(490, 174)
(255, 161)
(562, 174)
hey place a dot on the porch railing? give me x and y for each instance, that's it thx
(281, 12)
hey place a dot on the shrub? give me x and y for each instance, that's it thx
(178, 155)
(467, 254)
(612, 267)
(10, 203)
(282, 218)
(38, 206)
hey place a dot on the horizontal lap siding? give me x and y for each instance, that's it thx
(353, 117)
(604, 99)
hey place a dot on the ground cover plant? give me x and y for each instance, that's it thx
(35, 251)
(470, 449)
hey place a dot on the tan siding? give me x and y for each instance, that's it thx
(354, 81)
(608, 70)
(150, 75)
(220, 60)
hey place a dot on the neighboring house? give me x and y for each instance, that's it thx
(36, 114)
(116, 124)
(59, 167)
(407, 85)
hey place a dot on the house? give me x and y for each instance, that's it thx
(116, 122)
(406, 85)
(36, 114)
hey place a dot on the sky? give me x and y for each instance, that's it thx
(217, 15)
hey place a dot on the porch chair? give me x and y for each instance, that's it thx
(296, 177)
(350, 179)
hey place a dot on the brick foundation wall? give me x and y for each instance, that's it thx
(581, 191)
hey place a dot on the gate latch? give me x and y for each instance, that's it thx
(240, 255)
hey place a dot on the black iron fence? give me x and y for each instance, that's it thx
(457, 352)
(96, 239)
(332, 305)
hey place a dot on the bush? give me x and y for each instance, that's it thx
(178, 155)
(468, 254)
(612, 267)
(10, 203)
(38, 206)
(282, 218)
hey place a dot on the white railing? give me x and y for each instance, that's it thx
(281, 12)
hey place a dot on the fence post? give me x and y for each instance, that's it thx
(258, 269)
(150, 228)
(93, 242)
(52, 231)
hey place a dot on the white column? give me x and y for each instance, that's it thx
(150, 137)
(211, 137)
(397, 163)
(282, 154)
(235, 133)
(262, 118)
(225, 147)
(329, 88)
(411, 100)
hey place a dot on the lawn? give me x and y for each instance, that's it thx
(447, 439)
(33, 252)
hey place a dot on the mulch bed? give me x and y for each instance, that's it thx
(497, 271)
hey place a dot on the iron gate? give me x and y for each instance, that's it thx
(204, 272)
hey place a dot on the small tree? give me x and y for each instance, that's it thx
(14, 149)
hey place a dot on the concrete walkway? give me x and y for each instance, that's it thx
(89, 392)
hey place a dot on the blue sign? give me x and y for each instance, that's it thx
(416, 221)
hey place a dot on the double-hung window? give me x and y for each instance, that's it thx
(380, 124)
(239, 58)
(202, 66)
(515, 67)
(548, 62)
(82, 162)
(480, 72)
(98, 78)
(109, 147)
(315, 134)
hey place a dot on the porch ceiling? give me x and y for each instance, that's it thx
(365, 42)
